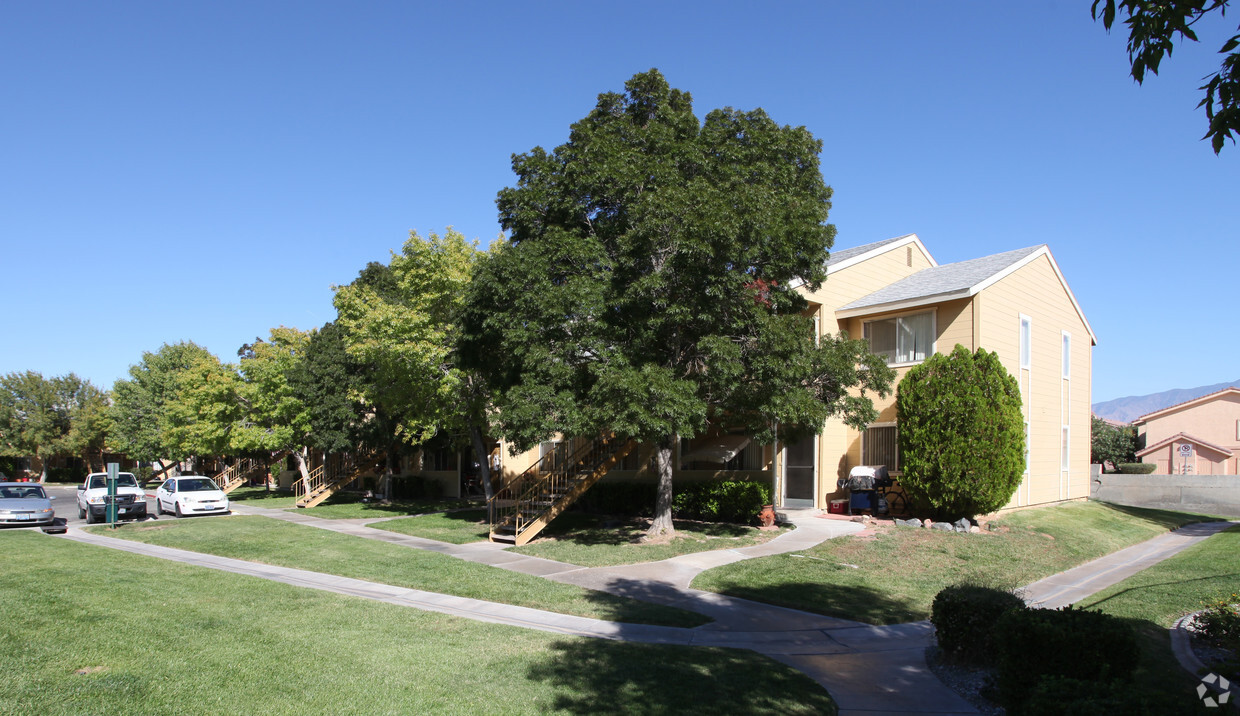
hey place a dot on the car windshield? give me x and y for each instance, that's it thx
(24, 491)
(99, 482)
(199, 485)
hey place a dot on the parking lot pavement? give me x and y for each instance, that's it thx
(64, 501)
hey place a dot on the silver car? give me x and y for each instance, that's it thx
(25, 503)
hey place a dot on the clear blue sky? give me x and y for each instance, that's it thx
(206, 171)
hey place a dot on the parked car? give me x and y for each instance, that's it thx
(190, 495)
(22, 503)
(92, 497)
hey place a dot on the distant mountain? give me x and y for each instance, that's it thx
(1129, 409)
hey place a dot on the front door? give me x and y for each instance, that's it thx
(800, 473)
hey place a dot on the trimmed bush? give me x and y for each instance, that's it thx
(964, 617)
(1034, 645)
(416, 487)
(736, 501)
(618, 498)
(1058, 696)
(961, 434)
(1136, 468)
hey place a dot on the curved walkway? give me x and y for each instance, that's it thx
(866, 669)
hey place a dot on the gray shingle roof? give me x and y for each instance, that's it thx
(845, 254)
(942, 280)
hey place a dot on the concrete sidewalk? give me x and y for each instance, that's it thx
(867, 669)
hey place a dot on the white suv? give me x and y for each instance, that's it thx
(92, 497)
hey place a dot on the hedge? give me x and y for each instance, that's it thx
(964, 618)
(1136, 468)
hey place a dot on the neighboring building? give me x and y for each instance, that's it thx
(894, 294)
(1197, 437)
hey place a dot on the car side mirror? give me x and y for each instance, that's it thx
(81, 488)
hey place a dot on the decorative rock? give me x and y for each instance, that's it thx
(975, 530)
(909, 522)
(963, 524)
(943, 526)
(927, 523)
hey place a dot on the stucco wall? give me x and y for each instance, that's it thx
(1208, 494)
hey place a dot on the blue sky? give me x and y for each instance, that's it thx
(206, 171)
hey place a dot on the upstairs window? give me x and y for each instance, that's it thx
(903, 339)
(1067, 356)
(1026, 341)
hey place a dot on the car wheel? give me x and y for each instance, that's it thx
(90, 517)
(176, 507)
(81, 513)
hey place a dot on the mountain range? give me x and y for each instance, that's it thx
(1125, 410)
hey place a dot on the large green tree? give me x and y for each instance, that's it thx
(1153, 30)
(961, 434)
(142, 414)
(202, 417)
(275, 417)
(330, 383)
(47, 418)
(403, 322)
(649, 283)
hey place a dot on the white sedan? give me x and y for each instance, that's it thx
(190, 495)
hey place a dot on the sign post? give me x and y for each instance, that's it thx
(113, 469)
(1186, 452)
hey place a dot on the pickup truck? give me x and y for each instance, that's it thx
(92, 497)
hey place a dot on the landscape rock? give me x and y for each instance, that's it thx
(943, 526)
(927, 523)
(962, 524)
(975, 530)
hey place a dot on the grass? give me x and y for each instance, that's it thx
(345, 505)
(893, 577)
(226, 643)
(1155, 598)
(586, 540)
(262, 539)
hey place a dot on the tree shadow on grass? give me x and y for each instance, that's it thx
(593, 677)
(843, 601)
(1164, 518)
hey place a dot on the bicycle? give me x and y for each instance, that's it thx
(897, 501)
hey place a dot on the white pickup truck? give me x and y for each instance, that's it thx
(92, 497)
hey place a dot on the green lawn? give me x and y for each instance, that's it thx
(346, 505)
(586, 540)
(261, 497)
(269, 541)
(146, 636)
(894, 576)
(1155, 598)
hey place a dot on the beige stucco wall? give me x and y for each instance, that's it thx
(1216, 421)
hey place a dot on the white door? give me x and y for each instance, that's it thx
(800, 473)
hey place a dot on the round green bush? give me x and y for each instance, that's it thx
(961, 434)
(964, 617)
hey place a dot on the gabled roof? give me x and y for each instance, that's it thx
(848, 257)
(1183, 438)
(954, 281)
(1186, 404)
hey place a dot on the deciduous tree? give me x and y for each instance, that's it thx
(140, 404)
(1154, 28)
(648, 286)
(47, 418)
(1112, 443)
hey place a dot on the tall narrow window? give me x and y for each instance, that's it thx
(1063, 450)
(1067, 356)
(1026, 340)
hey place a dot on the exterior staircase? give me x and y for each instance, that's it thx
(333, 475)
(243, 470)
(528, 503)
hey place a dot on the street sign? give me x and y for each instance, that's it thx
(1186, 450)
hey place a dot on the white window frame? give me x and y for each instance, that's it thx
(1066, 343)
(934, 333)
(1026, 342)
(1065, 448)
(892, 469)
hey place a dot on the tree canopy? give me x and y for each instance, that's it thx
(1111, 443)
(1153, 29)
(63, 415)
(143, 413)
(648, 284)
(961, 434)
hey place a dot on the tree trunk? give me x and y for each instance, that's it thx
(662, 525)
(483, 456)
(299, 456)
(43, 474)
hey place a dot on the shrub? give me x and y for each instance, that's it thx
(618, 498)
(1033, 645)
(961, 434)
(724, 501)
(1059, 696)
(1136, 468)
(1221, 623)
(964, 617)
(416, 487)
